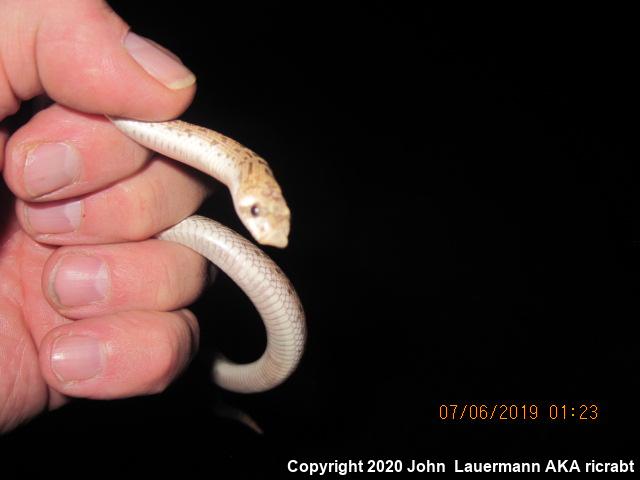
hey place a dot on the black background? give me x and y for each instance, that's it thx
(463, 193)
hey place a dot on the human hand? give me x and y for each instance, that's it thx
(89, 306)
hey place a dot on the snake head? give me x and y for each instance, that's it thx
(264, 212)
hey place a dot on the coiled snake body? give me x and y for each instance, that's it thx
(259, 203)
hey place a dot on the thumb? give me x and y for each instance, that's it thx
(82, 55)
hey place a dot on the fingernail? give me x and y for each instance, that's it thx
(77, 357)
(159, 62)
(80, 280)
(54, 218)
(50, 166)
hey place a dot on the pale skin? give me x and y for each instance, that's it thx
(90, 306)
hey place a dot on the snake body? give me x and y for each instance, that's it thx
(259, 203)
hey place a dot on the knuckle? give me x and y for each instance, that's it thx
(181, 277)
(163, 372)
(168, 289)
(174, 349)
(143, 211)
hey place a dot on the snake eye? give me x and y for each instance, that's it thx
(255, 210)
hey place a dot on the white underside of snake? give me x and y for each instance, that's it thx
(259, 203)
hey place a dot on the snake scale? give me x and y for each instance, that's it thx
(259, 203)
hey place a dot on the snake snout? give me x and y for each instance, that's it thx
(278, 240)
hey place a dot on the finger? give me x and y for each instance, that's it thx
(159, 196)
(82, 55)
(82, 282)
(121, 355)
(61, 153)
(22, 392)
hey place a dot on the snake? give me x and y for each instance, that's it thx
(261, 207)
